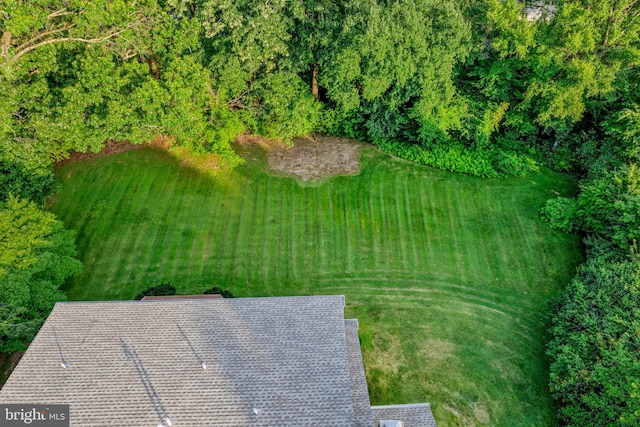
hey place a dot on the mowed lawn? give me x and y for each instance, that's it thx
(450, 276)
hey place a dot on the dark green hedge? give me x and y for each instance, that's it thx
(595, 345)
(456, 157)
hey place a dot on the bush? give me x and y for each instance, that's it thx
(595, 342)
(17, 180)
(560, 213)
(455, 157)
(609, 209)
(158, 290)
(511, 164)
(37, 255)
(216, 290)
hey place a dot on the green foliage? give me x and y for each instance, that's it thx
(36, 257)
(163, 289)
(76, 76)
(216, 290)
(391, 65)
(560, 213)
(408, 53)
(511, 36)
(594, 345)
(609, 211)
(624, 129)
(455, 157)
(420, 71)
(562, 76)
(287, 109)
(17, 180)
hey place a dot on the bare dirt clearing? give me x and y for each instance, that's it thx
(314, 160)
(310, 159)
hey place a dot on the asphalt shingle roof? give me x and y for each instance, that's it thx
(418, 414)
(359, 390)
(290, 361)
(132, 363)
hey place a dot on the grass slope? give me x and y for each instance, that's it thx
(449, 275)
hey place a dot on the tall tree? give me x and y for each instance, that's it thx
(247, 45)
(76, 74)
(595, 375)
(391, 68)
(575, 61)
(36, 257)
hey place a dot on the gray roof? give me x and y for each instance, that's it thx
(418, 414)
(134, 362)
(359, 389)
(293, 360)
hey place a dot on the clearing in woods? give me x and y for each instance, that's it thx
(450, 276)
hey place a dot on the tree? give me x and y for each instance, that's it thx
(17, 180)
(407, 57)
(75, 74)
(583, 55)
(37, 29)
(36, 257)
(595, 372)
(561, 75)
(609, 212)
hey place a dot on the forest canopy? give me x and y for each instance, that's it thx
(484, 87)
(478, 87)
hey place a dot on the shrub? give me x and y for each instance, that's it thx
(455, 157)
(560, 213)
(511, 164)
(16, 179)
(609, 209)
(595, 341)
(158, 290)
(37, 255)
(216, 290)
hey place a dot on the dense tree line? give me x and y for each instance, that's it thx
(36, 256)
(484, 87)
(472, 86)
(595, 344)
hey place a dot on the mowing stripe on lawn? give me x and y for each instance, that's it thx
(448, 275)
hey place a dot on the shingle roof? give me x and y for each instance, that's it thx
(291, 361)
(134, 362)
(418, 414)
(359, 390)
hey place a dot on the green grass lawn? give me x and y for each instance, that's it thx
(450, 276)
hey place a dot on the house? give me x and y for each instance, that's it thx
(538, 9)
(290, 361)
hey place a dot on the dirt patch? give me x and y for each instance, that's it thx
(314, 159)
(112, 147)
